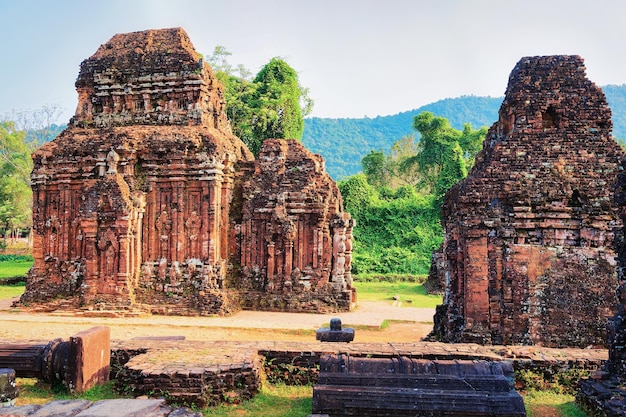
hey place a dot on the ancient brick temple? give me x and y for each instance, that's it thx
(528, 249)
(147, 200)
(294, 234)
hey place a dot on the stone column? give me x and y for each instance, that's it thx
(212, 169)
(270, 261)
(141, 200)
(338, 226)
(288, 258)
(476, 285)
(348, 252)
(175, 231)
(90, 280)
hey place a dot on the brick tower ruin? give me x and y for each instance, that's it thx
(528, 248)
(138, 203)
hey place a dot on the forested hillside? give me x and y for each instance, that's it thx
(344, 142)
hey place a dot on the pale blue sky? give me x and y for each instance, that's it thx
(357, 57)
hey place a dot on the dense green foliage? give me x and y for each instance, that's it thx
(15, 192)
(396, 202)
(444, 154)
(396, 234)
(272, 105)
(277, 102)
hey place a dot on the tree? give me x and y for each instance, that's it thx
(444, 153)
(15, 167)
(39, 124)
(219, 60)
(273, 105)
(375, 168)
(238, 93)
(276, 104)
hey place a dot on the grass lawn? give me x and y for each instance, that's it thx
(550, 404)
(411, 294)
(10, 291)
(14, 268)
(10, 269)
(33, 391)
(273, 400)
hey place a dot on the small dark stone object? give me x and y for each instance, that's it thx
(8, 390)
(335, 333)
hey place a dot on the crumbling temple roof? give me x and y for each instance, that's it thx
(153, 77)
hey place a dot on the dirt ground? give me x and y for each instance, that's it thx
(373, 323)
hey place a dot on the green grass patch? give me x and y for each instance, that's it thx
(409, 293)
(33, 391)
(418, 279)
(10, 291)
(273, 400)
(545, 403)
(14, 267)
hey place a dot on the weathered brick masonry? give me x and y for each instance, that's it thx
(528, 249)
(147, 200)
(605, 392)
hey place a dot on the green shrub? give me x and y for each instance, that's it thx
(558, 382)
(391, 277)
(16, 258)
(396, 230)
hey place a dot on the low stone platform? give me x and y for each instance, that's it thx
(209, 373)
(407, 387)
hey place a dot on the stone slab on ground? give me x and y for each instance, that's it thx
(104, 408)
(23, 411)
(196, 372)
(62, 408)
(127, 408)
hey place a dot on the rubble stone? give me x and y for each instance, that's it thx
(138, 203)
(8, 389)
(528, 247)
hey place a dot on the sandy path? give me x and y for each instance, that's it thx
(405, 324)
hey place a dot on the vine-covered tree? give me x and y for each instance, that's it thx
(376, 168)
(272, 105)
(277, 102)
(444, 154)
